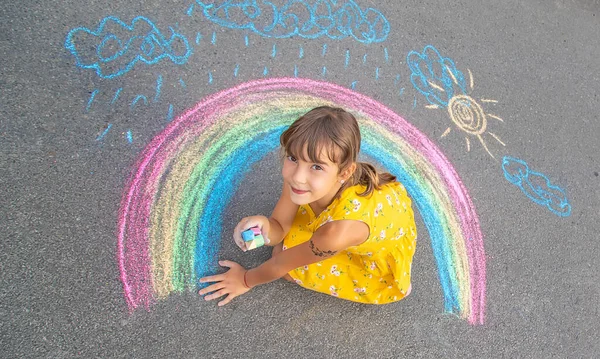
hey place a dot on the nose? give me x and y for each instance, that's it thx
(299, 175)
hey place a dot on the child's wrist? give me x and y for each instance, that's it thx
(246, 281)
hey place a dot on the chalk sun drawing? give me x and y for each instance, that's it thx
(117, 46)
(306, 19)
(444, 86)
(171, 214)
(536, 186)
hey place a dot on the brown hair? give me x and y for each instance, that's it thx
(336, 131)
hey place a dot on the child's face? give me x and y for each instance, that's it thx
(311, 182)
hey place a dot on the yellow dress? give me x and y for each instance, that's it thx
(378, 270)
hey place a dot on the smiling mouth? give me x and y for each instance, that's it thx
(297, 191)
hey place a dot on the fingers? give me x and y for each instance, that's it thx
(228, 299)
(227, 264)
(215, 295)
(237, 234)
(211, 288)
(212, 278)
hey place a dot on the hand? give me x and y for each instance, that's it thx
(230, 282)
(261, 221)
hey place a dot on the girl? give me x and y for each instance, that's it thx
(339, 228)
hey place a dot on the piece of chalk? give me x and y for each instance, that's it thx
(253, 238)
(247, 236)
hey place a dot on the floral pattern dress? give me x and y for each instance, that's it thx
(378, 270)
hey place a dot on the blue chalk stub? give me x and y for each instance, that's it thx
(253, 238)
(248, 235)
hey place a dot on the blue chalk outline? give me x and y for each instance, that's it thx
(101, 136)
(151, 40)
(170, 113)
(348, 19)
(547, 197)
(420, 80)
(92, 96)
(347, 61)
(116, 96)
(159, 81)
(137, 98)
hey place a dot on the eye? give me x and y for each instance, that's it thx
(317, 167)
(292, 158)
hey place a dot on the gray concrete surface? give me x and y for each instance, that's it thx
(60, 187)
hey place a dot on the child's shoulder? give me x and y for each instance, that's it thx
(384, 189)
(353, 193)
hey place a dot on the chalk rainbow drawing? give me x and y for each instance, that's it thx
(170, 218)
(306, 19)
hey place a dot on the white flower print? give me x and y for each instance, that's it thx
(382, 234)
(334, 270)
(283, 247)
(327, 220)
(298, 281)
(396, 197)
(389, 199)
(373, 266)
(378, 209)
(360, 290)
(356, 204)
(306, 267)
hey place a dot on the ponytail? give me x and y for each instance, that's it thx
(366, 175)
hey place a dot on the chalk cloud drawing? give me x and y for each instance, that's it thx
(434, 76)
(444, 86)
(536, 186)
(306, 19)
(172, 210)
(117, 46)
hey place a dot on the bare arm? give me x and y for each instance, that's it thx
(325, 242)
(282, 217)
